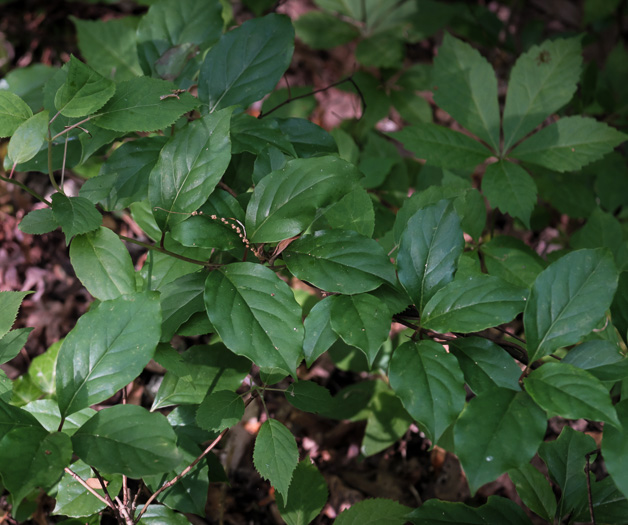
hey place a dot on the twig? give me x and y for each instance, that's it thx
(168, 252)
(227, 189)
(587, 469)
(27, 189)
(80, 480)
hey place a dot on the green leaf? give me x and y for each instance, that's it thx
(603, 359)
(13, 113)
(362, 321)
(180, 299)
(72, 498)
(247, 62)
(12, 342)
(298, 107)
(309, 397)
(320, 30)
(76, 215)
(306, 497)
(429, 250)
(485, 364)
(564, 390)
(9, 306)
(47, 413)
(263, 321)
(319, 335)
(442, 147)
(103, 264)
(28, 138)
(473, 304)
(109, 47)
(160, 515)
(339, 261)
(137, 106)
(84, 91)
(615, 448)
(429, 383)
(466, 88)
(374, 511)
(534, 490)
(353, 212)
(39, 221)
(512, 260)
(568, 299)
(254, 135)
(382, 50)
(487, 428)
(601, 230)
(114, 441)
(569, 144)
(565, 460)
(284, 203)
(276, 456)
(220, 410)
(169, 26)
(108, 348)
(510, 188)
(190, 166)
(542, 81)
(386, 421)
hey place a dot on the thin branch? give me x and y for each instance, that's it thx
(80, 480)
(73, 126)
(587, 469)
(504, 331)
(172, 254)
(227, 189)
(27, 189)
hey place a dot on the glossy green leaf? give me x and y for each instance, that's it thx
(362, 321)
(565, 460)
(114, 441)
(263, 321)
(339, 261)
(42, 369)
(541, 82)
(12, 342)
(512, 260)
(510, 188)
(169, 26)
(374, 511)
(47, 413)
(220, 410)
(109, 47)
(75, 215)
(602, 359)
(473, 304)
(108, 348)
(160, 515)
(10, 302)
(195, 373)
(247, 62)
(485, 364)
(103, 264)
(320, 30)
(564, 390)
(307, 495)
(137, 106)
(442, 147)
(180, 299)
(309, 397)
(84, 90)
(13, 113)
(429, 251)
(284, 203)
(190, 166)
(254, 135)
(465, 86)
(72, 498)
(569, 144)
(28, 138)
(39, 221)
(386, 420)
(319, 335)
(487, 428)
(568, 299)
(615, 448)
(276, 456)
(429, 383)
(534, 490)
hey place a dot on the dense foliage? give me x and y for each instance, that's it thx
(473, 336)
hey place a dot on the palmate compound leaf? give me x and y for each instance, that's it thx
(542, 81)
(564, 390)
(340, 261)
(569, 144)
(429, 250)
(487, 428)
(285, 201)
(307, 495)
(473, 304)
(429, 383)
(568, 299)
(466, 88)
(276, 455)
(190, 166)
(108, 348)
(255, 314)
(247, 62)
(115, 440)
(374, 511)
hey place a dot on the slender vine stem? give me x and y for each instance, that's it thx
(152, 247)
(27, 189)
